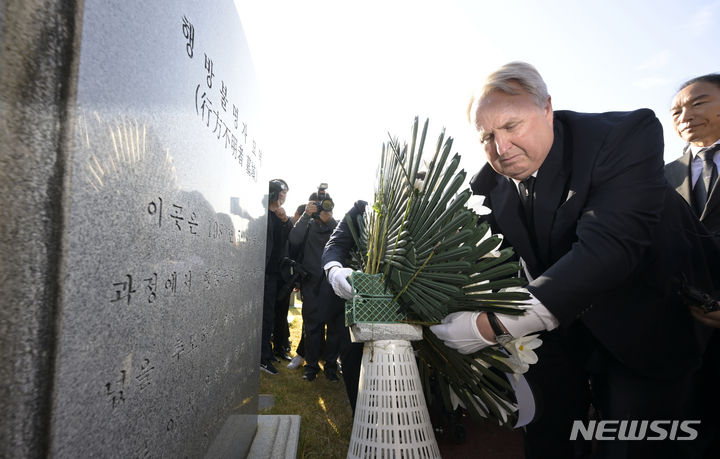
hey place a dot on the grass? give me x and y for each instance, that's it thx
(326, 417)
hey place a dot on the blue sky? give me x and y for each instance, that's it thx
(337, 76)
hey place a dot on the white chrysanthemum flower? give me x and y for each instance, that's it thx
(476, 202)
(522, 354)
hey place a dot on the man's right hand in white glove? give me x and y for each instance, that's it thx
(459, 331)
(338, 278)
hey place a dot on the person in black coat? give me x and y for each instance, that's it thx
(604, 242)
(278, 229)
(334, 257)
(695, 114)
(321, 307)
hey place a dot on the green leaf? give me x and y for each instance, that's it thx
(427, 244)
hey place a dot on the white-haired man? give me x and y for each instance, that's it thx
(582, 199)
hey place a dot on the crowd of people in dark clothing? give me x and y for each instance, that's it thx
(293, 268)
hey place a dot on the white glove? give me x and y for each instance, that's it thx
(459, 331)
(338, 278)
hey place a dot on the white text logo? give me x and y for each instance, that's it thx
(635, 430)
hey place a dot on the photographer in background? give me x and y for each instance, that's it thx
(278, 229)
(308, 238)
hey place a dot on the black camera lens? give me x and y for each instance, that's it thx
(327, 205)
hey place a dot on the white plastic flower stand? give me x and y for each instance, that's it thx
(391, 416)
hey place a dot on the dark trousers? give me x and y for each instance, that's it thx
(351, 358)
(316, 311)
(268, 318)
(301, 345)
(281, 329)
(707, 402)
(566, 381)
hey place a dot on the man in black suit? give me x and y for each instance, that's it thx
(582, 199)
(695, 114)
(696, 117)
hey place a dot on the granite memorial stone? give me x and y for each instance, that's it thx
(133, 246)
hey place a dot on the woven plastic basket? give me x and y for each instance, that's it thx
(391, 416)
(371, 302)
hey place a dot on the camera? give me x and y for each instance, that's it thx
(298, 274)
(693, 296)
(297, 271)
(324, 201)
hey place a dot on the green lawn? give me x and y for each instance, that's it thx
(326, 417)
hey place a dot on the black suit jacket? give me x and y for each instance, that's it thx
(679, 176)
(341, 241)
(611, 236)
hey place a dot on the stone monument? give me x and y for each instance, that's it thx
(132, 230)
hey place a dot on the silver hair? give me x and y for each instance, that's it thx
(507, 79)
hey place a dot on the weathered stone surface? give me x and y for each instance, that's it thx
(136, 230)
(276, 437)
(36, 80)
(363, 332)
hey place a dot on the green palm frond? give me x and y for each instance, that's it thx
(435, 259)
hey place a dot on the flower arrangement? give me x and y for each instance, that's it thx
(422, 242)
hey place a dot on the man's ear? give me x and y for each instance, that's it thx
(548, 107)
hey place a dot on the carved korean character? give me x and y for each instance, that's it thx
(209, 68)
(236, 115)
(250, 169)
(188, 279)
(193, 343)
(214, 230)
(179, 348)
(151, 287)
(154, 208)
(189, 33)
(171, 283)
(144, 379)
(192, 223)
(240, 154)
(223, 95)
(115, 391)
(125, 291)
(177, 215)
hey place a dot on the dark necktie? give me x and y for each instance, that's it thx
(526, 189)
(707, 178)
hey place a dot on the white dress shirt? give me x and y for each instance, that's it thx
(697, 164)
(536, 318)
